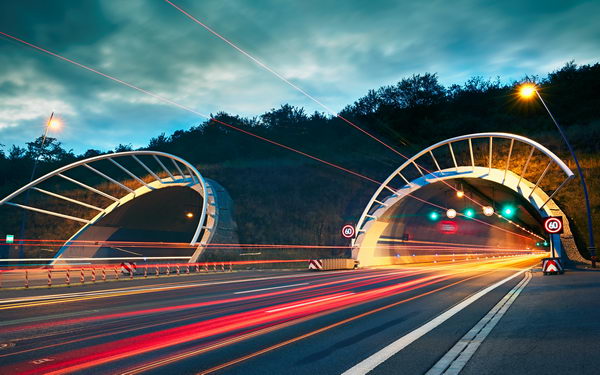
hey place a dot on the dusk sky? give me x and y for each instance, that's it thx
(335, 50)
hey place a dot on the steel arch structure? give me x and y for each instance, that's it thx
(387, 195)
(176, 172)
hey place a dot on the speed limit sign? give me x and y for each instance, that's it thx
(348, 231)
(553, 224)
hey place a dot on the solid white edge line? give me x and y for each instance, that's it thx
(384, 354)
(458, 356)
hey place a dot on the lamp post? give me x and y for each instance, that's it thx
(527, 91)
(51, 123)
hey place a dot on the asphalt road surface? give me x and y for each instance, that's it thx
(269, 322)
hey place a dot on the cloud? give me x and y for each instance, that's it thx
(335, 50)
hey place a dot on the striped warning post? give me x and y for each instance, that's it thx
(315, 264)
(68, 277)
(49, 277)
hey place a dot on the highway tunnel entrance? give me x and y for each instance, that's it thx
(407, 221)
(415, 231)
(133, 204)
(159, 223)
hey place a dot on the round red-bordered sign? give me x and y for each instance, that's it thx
(553, 225)
(348, 231)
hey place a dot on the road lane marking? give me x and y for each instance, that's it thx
(457, 357)
(384, 354)
(309, 303)
(263, 289)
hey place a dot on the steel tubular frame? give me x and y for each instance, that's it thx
(194, 177)
(377, 200)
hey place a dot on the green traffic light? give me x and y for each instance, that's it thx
(508, 211)
(545, 243)
(469, 212)
(434, 216)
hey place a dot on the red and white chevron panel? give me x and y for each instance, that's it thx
(551, 265)
(128, 267)
(315, 264)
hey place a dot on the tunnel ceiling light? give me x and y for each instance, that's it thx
(469, 212)
(460, 193)
(488, 210)
(434, 215)
(451, 213)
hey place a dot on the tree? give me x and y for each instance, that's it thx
(48, 150)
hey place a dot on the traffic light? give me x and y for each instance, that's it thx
(433, 216)
(470, 213)
(508, 211)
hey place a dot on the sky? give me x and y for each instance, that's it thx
(335, 50)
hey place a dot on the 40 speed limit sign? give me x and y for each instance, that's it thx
(553, 224)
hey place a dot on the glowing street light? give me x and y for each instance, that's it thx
(54, 123)
(460, 193)
(451, 213)
(189, 215)
(434, 216)
(527, 91)
(488, 210)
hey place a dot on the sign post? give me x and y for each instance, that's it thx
(552, 225)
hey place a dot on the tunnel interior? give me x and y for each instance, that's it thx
(412, 228)
(154, 222)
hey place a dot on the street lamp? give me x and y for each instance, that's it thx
(53, 123)
(527, 91)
